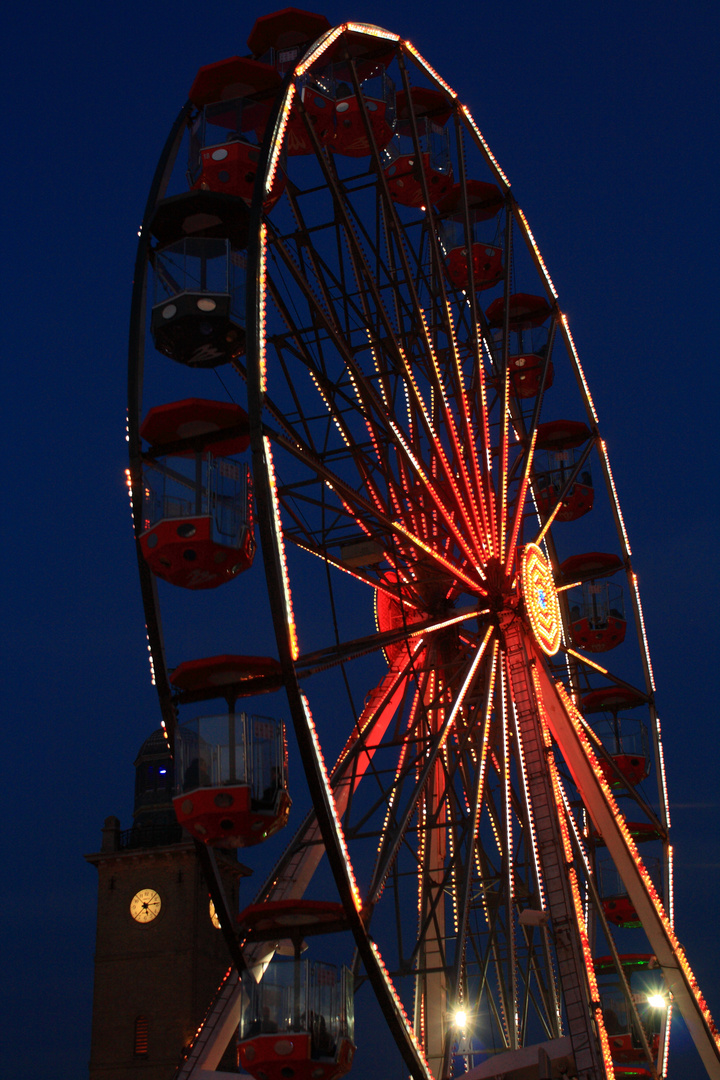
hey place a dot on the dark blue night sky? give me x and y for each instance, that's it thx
(604, 117)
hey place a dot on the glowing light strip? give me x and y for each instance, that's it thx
(576, 358)
(573, 827)
(278, 133)
(371, 31)
(536, 249)
(574, 886)
(380, 375)
(324, 43)
(482, 766)
(520, 503)
(509, 867)
(564, 588)
(287, 595)
(487, 472)
(429, 70)
(439, 450)
(504, 451)
(325, 558)
(331, 411)
(400, 1008)
(151, 660)
(481, 139)
(262, 281)
(330, 799)
(586, 660)
(666, 806)
(468, 679)
(671, 887)
(666, 1048)
(372, 487)
(604, 452)
(475, 491)
(394, 792)
(650, 890)
(440, 558)
(453, 883)
(642, 629)
(448, 518)
(541, 535)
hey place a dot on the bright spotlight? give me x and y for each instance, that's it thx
(460, 1018)
(656, 1001)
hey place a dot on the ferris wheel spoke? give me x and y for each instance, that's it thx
(345, 651)
(459, 457)
(427, 755)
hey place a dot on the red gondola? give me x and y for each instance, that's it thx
(597, 609)
(526, 312)
(234, 97)
(617, 905)
(625, 738)
(287, 31)
(298, 1018)
(484, 201)
(197, 500)
(555, 460)
(403, 173)
(646, 986)
(230, 771)
(528, 341)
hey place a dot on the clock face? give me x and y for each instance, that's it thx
(145, 906)
(214, 916)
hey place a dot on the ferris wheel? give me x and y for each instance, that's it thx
(457, 625)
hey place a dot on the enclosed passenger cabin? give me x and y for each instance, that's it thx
(327, 101)
(597, 608)
(406, 162)
(281, 38)
(483, 201)
(560, 471)
(297, 1020)
(332, 87)
(198, 529)
(528, 341)
(198, 304)
(617, 905)
(650, 996)
(625, 738)
(230, 768)
(234, 98)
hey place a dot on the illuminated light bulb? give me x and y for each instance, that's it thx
(460, 1018)
(656, 1001)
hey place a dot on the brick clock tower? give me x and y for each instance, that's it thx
(160, 955)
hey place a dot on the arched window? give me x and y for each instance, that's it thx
(141, 1036)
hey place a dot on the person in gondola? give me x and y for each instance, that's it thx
(196, 775)
(270, 792)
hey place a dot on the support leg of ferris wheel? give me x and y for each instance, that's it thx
(582, 1024)
(567, 728)
(431, 986)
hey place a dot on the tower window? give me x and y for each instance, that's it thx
(141, 1036)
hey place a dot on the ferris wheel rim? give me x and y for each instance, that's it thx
(316, 770)
(256, 377)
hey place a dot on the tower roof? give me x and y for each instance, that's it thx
(155, 746)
